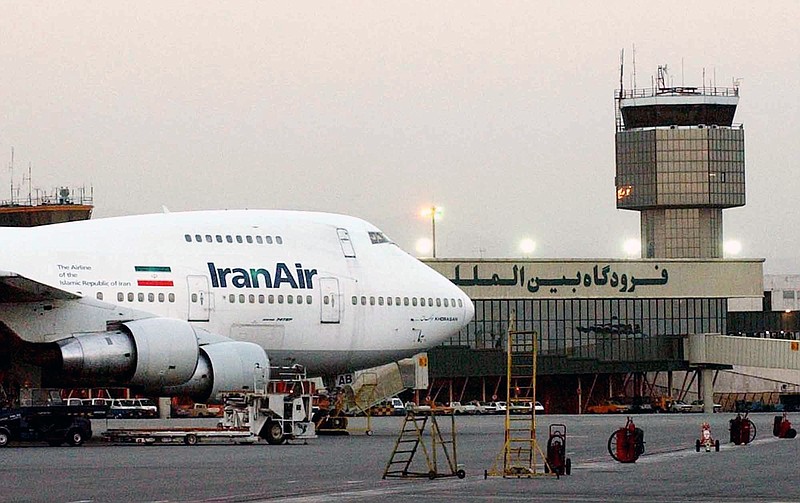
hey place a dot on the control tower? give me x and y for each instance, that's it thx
(680, 162)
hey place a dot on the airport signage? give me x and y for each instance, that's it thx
(505, 278)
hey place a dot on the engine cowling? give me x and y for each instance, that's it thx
(151, 353)
(224, 366)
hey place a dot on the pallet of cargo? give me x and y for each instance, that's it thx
(187, 436)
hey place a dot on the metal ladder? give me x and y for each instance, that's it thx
(412, 437)
(521, 452)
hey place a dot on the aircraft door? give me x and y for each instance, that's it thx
(199, 299)
(329, 300)
(347, 245)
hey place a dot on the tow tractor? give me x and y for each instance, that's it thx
(276, 410)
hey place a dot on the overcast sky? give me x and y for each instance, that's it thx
(502, 113)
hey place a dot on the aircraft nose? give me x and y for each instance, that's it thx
(469, 309)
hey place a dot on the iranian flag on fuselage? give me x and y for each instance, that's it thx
(154, 275)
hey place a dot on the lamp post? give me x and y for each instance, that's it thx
(433, 212)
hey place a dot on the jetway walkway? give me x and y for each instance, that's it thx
(726, 350)
(707, 352)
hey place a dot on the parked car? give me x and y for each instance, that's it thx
(133, 408)
(499, 407)
(488, 407)
(608, 407)
(679, 406)
(697, 406)
(466, 408)
(44, 424)
(199, 410)
(538, 407)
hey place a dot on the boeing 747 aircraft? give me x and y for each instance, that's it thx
(189, 303)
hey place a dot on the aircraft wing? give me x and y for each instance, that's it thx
(17, 288)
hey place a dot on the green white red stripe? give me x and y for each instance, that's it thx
(156, 275)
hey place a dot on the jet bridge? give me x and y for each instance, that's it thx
(707, 352)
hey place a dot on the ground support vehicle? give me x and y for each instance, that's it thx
(276, 411)
(56, 424)
(557, 460)
(627, 443)
(706, 440)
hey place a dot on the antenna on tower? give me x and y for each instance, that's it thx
(621, 69)
(634, 66)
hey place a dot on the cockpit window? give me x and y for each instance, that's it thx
(378, 238)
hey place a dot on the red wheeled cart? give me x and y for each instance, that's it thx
(557, 459)
(743, 431)
(782, 428)
(627, 443)
(706, 440)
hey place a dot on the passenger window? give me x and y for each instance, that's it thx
(261, 298)
(372, 301)
(453, 302)
(397, 301)
(438, 302)
(194, 298)
(326, 300)
(363, 301)
(355, 300)
(252, 298)
(289, 299)
(151, 297)
(229, 238)
(219, 238)
(232, 299)
(446, 303)
(422, 301)
(99, 295)
(249, 239)
(188, 238)
(278, 240)
(380, 301)
(198, 238)
(161, 297)
(413, 301)
(140, 297)
(269, 240)
(280, 299)
(299, 299)
(239, 239)
(172, 297)
(120, 297)
(405, 301)
(430, 302)
(388, 301)
(271, 299)
(241, 298)
(209, 239)
(259, 240)
(308, 299)
(130, 296)
(460, 304)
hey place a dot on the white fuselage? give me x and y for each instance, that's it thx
(327, 291)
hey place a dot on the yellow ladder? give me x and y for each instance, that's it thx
(521, 453)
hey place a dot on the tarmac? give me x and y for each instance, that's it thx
(350, 468)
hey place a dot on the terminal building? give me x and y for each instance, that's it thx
(609, 327)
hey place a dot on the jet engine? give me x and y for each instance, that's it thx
(161, 355)
(224, 366)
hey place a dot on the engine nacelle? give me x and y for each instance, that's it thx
(152, 353)
(224, 366)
